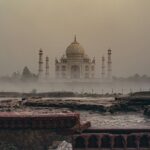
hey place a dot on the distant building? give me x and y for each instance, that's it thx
(75, 64)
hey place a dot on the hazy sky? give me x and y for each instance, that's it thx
(122, 25)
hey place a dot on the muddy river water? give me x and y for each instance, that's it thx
(121, 120)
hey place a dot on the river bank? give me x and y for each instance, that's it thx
(103, 112)
(136, 102)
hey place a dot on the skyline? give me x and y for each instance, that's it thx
(27, 26)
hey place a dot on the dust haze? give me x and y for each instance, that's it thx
(122, 25)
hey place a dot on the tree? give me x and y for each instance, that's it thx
(26, 74)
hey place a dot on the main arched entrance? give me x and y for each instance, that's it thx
(75, 72)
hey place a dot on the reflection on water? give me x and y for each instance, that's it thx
(124, 120)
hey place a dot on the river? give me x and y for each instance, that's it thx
(120, 120)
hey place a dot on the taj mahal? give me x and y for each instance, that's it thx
(76, 65)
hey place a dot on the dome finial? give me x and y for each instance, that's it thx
(75, 39)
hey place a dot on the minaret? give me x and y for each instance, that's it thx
(47, 68)
(109, 75)
(40, 64)
(103, 67)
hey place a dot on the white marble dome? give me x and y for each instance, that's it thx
(75, 49)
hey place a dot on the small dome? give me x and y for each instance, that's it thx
(75, 49)
(40, 51)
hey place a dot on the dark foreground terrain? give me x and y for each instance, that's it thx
(113, 103)
(103, 111)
